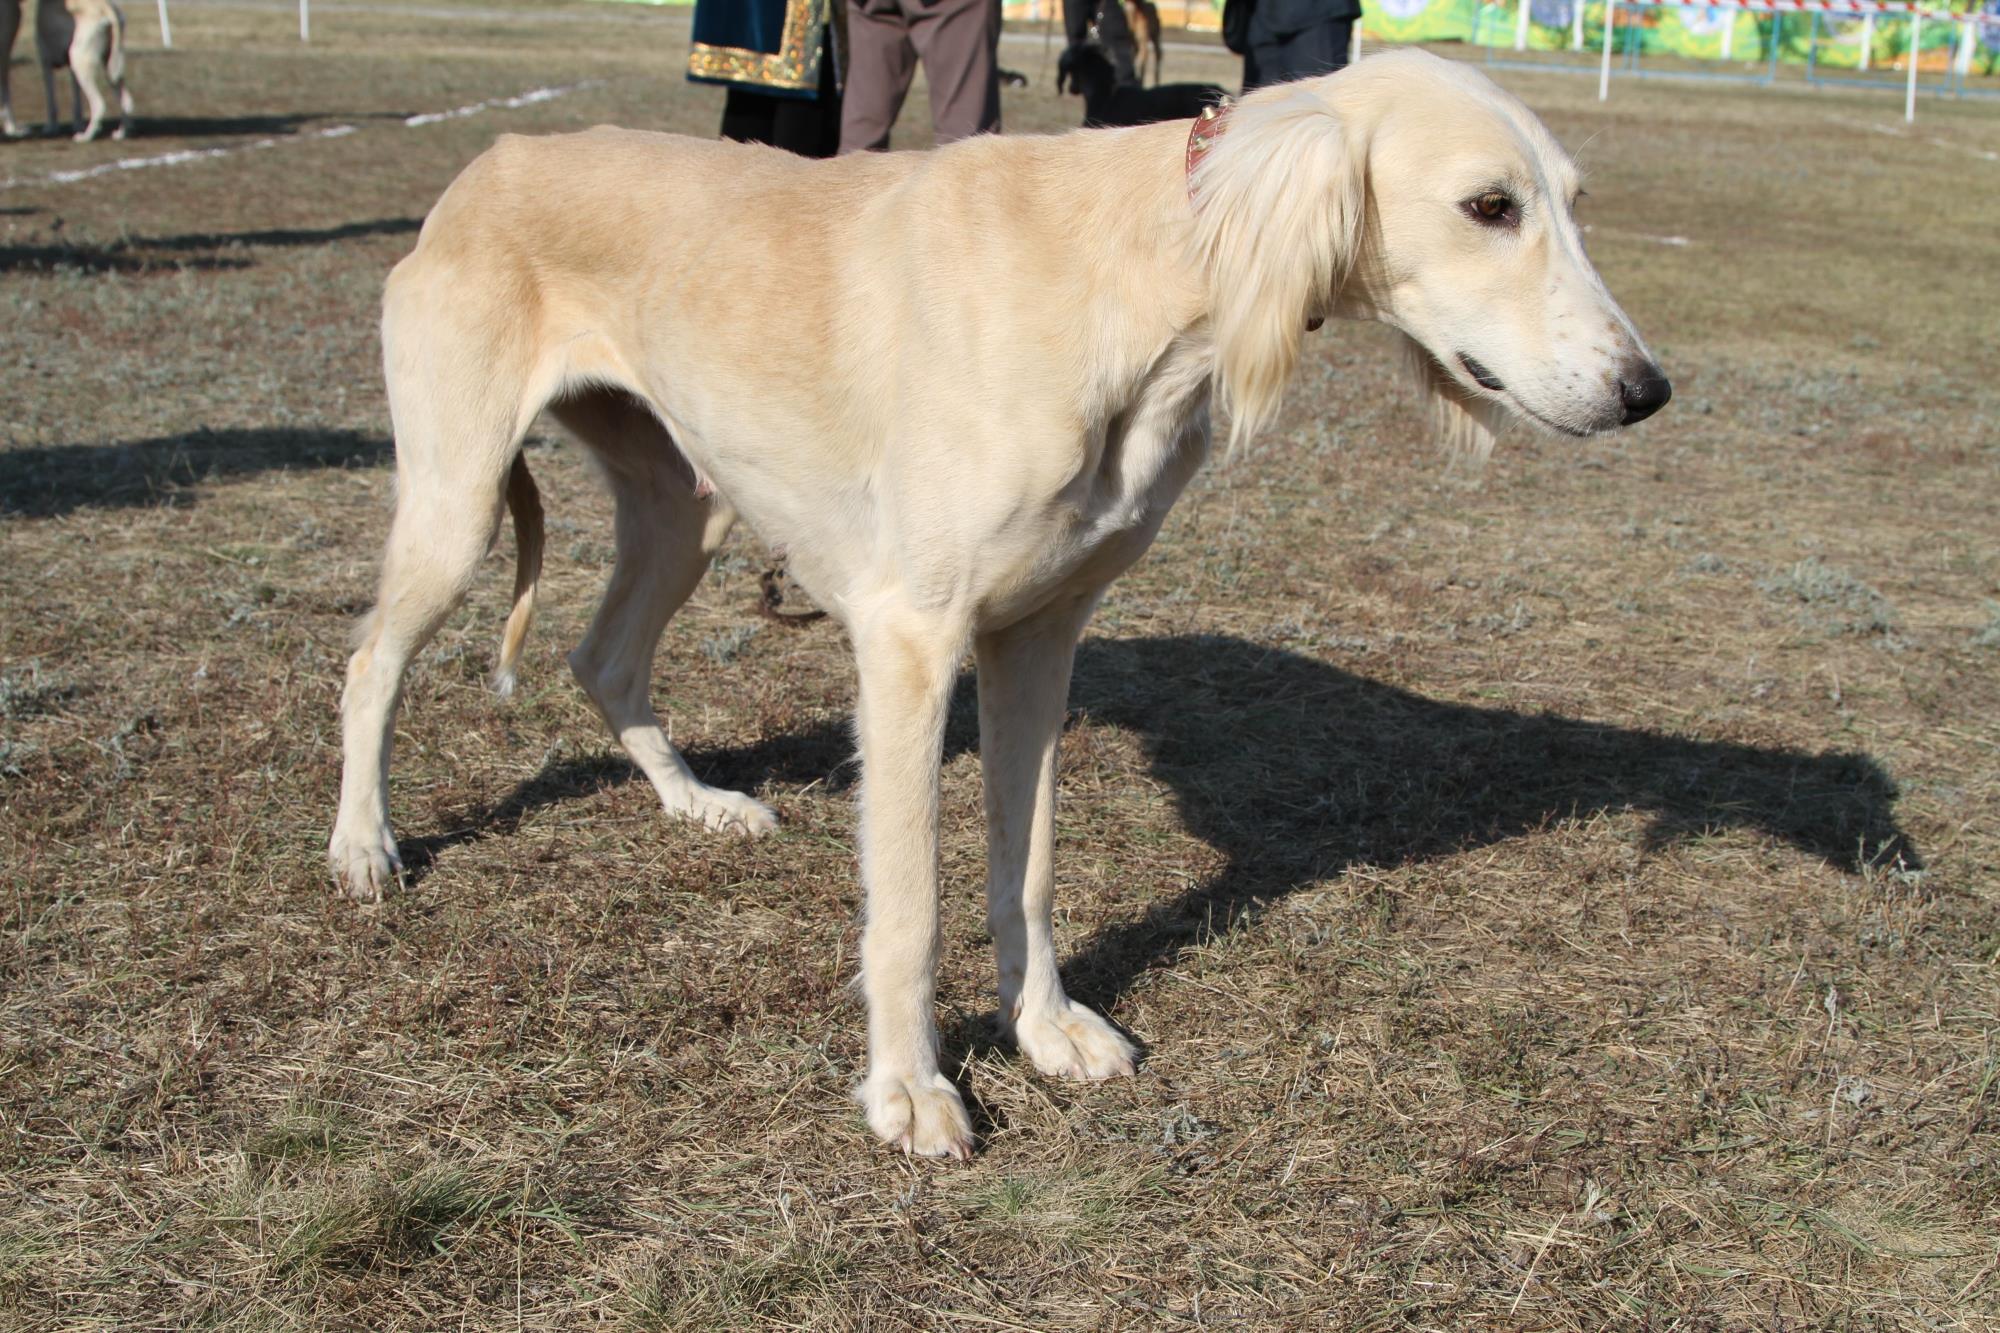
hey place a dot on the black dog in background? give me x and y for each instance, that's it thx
(1086, 69)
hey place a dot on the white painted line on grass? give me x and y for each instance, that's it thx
(184, 156)
(181, 158)
(1897, 132)
(1678, 242)
(529, 98)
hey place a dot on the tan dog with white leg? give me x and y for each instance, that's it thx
(88, 37)
(962, 388)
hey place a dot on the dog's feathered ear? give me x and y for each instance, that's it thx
(1278, 203)
(1461, 422)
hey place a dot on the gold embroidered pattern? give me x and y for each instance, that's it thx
(794, 65)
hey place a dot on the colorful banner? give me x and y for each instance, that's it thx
(1693, 32)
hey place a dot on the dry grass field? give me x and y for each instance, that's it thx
(1558, 896)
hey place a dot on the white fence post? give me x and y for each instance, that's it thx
(1910, 96)
(1867, 38)
(166, 30)
(1604, 74)
(1521, 27)
(1965, 42)
(1729, 33)
(305, 20)
(1576, 25)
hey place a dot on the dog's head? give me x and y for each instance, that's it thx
(1412, 190)
(1084, 68)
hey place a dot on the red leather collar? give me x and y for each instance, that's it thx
(1207, 128)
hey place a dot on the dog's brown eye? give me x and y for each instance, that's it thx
(1492, 207)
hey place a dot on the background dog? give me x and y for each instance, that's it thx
(1143, 17)
(1086, 69)
(88, 37)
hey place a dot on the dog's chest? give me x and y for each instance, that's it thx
(1101, 523)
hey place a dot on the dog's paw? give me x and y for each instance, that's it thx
(365, 867)
(727, 812)
(121, 133)
(1071, 1041)
(921, 1114)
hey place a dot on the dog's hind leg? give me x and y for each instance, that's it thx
(665, 536)
(455, 443)
(114, 70)
(1024, 675)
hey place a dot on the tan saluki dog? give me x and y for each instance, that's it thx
(87, 36)
(962, 388)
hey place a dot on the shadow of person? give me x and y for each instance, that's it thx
(53, 480)
(1295, 770)
(227, 127)
(202, 251)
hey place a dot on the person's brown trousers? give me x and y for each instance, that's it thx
(957, 40)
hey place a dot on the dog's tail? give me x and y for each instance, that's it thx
(526, 503)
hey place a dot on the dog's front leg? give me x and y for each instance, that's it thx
(906, 667)
(1023, 692)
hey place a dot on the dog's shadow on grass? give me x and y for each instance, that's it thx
(1296, 770)
(48, 482)
(822, 754)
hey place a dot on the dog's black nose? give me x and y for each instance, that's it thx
(1644, 391)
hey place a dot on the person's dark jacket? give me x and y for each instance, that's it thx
(750, 43)
(1252, 23)
(1281, 40)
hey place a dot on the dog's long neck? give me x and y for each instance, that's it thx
(1134, 240)
(1137, 315)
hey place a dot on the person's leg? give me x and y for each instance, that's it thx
(747, 116)
(810, 126)
(880, 64)
(1115, 35)
(959, 42)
